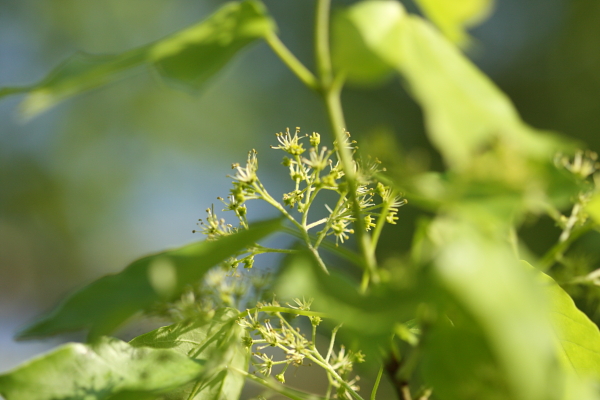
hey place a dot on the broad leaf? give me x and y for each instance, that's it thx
(217, 342)
(369, 317)
(104, 304)
(193, 55)
(465, 113)
(577, 337)
(506, 309)
(454, 16)
(107, 369)
(355, 31)
(189, 57)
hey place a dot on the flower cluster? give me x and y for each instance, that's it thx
(313, 168)
(296, 349)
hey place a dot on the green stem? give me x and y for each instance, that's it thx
(316, 223)
(276, 387)
(557, 251)
(321, 38)
(376, 385)
(267, 197)
(336, 118)
(332, 342)
(332, 217)
(323, 364)
(380, 223)
(331, 91)
(339, 251)
(292, 62)
(305, 313)
(262, 249)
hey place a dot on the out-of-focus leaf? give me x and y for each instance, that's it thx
(193, 55)
(465, 112)
(371, 317)
(479, 272)
(77, 74)
(189, 57)
(217, 342)
(458, 363)
(104, 304)
(107, 369)
(593, 208)
(355, 31)
(454, 16)
(578, 338)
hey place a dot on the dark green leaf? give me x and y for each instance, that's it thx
(104, 304)
(218, 342)
(107, 369)
(189, 57)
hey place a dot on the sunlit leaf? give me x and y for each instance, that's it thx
(193, 55)
(371, 317)
(355, 31)
(217, 342)
(189, 57)
(107, 369)
(104, 304)
(578, 338)
(77, 74)
(593, 208)
(483, 277)
(454, 16)
(465, 112)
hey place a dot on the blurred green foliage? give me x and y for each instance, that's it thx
(482, 179)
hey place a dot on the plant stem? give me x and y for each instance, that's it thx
(267, 197)
(331, 91)
(376, 385)
(305, 313)
(276, 387)
(339, 251)
(332, 342)
(321, 38)
(559, 249)
(263, 249)
(292, 62)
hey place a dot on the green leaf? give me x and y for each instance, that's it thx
(104, 304)
(577, 337)
(465, 112)
(188, 57)
(77, 74)
(355, 31)
(369, 317)
(217, 342)
(193, 55)
(507, 309)
(107, 369)
(593, 208)
(453, 17)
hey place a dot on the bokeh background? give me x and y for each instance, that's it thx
(129, 168)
